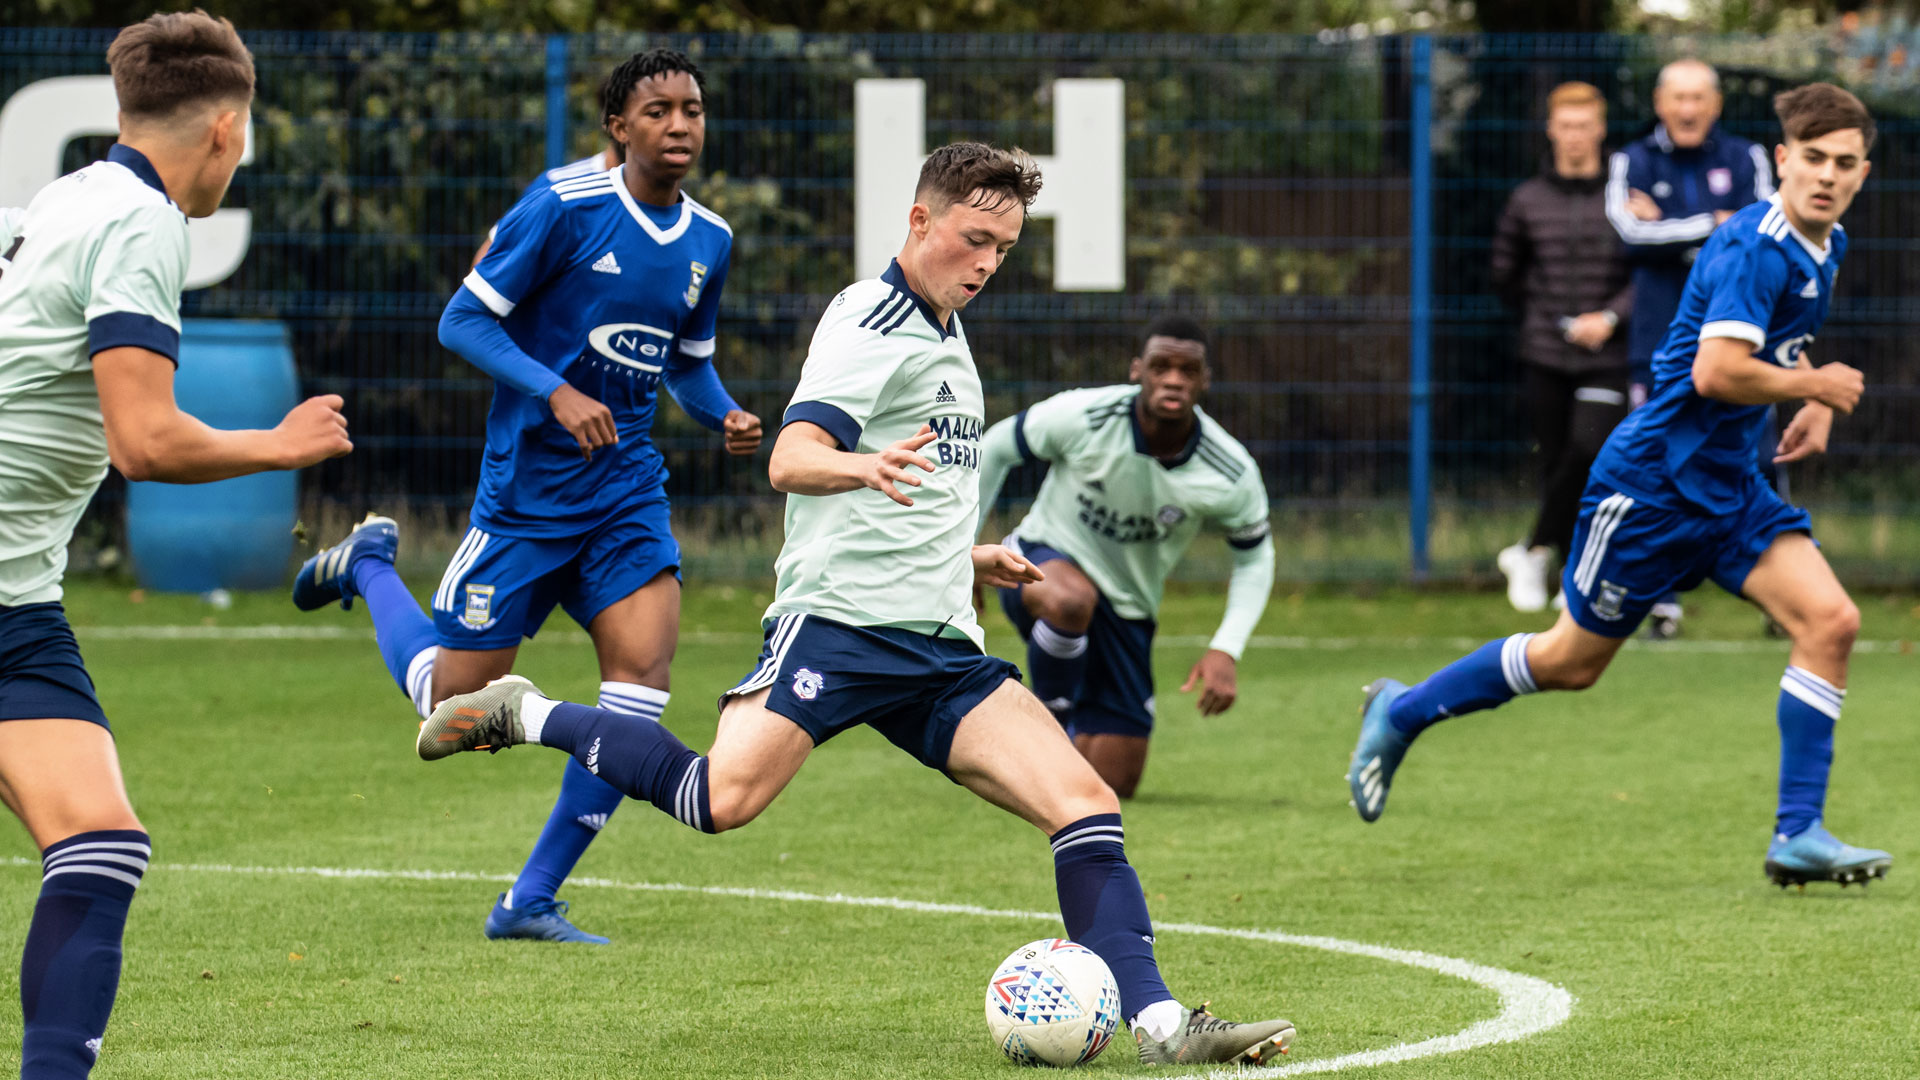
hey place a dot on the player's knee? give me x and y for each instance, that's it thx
(1835, 628)
(1089, 795)
(1067, 605)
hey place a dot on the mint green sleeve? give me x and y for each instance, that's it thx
(999, 453)
(844, 379)
(1251, 537)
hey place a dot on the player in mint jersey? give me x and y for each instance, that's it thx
(1676, 496)
(90, 280)
(594, 292)
(1136, 471)
(872, 621)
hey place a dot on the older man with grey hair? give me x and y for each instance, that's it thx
(1666, 193)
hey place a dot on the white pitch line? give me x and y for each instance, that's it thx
(1283, 643)
(1528, 1005)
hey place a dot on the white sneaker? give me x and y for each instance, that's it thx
(1526, 570)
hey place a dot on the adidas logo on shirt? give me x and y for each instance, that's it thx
(607, 264)
(1812, 291)
(945, 396)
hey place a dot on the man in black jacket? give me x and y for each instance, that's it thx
(1558, 260)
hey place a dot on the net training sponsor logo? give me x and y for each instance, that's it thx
(634, 350)
(479, 612)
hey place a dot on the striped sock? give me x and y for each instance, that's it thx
(638, 757)
(403, 632)
(1103, 908)
(70, 969)
(584, 805)
(1485, 678)
(1808, 712)
(1057, 663)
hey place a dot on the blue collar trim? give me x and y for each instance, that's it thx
(897, 278)
(1140, 438)
(137, 163)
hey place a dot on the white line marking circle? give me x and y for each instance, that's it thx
(1528, 1006)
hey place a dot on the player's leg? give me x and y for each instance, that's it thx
(1119, 760)
(1007, 749)
(1792, 582)
(1054, 615)
(1113, 720)
(1549, 402)
(60, 775)
(362, 566)
(1625, 556)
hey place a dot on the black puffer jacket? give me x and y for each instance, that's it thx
(1555, 256)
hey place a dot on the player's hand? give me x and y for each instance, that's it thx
(1590, 331)
(997, 567)
(742, 430)
(1838, 386)
(1720, 217)
(1641, 205)
(588, 421)
(884, 470)
(314, 431)
(1218, 677)
(1806, 434)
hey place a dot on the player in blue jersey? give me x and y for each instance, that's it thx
(595, 291)
(1676, 496)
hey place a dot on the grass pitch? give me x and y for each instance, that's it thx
(1609, 842)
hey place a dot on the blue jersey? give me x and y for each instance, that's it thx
(1757, 280)
(611, 295)
(572, 170)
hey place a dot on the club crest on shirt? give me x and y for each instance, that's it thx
(479, 613)
(699, 279)
(1607, 601)
(807, 684)
(1171, 515)
(1719, 181)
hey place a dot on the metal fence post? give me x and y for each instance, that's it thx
(556, 100)
(1420, 332)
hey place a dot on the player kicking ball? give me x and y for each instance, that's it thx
(871, 621)
(89, 340)
(1135, 471)
(594, 290)
(1675, 496)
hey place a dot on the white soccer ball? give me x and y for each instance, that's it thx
(1052, 1003)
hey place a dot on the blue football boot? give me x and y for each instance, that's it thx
(1379, 750)
(537, 920)
(1818, 855)
(328, 576)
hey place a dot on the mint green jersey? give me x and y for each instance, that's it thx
(880, 366)
(1124, 516)
(95, 262)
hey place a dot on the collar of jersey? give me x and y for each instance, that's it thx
(1819, 253)
(1665, 141)
(136, 163)
(897, 278)
(1140, 436)
(660, 236)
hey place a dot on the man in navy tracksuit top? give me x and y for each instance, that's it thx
(1666, 194)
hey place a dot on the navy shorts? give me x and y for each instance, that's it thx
(913, 688)
(41, 674)
(499, 589)
(1628, 556)
(1116, 698)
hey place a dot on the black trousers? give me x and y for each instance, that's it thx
(1572, 417)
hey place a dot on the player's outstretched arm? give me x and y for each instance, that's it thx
(1217, 670)
(999, 453)
(149, 438)
(1725, 369)
(807, 460)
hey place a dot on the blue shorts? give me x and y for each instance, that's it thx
(913, 688)
(1629, 556)
(499, 589)
(41, 675)
(1116, 698)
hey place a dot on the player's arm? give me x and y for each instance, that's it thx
(1807, 433)
(694, 382)
(1725, 369)
(150, 438)
(808, 460)
(1248, 587)
(999, 455)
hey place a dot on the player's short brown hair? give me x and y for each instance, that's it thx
(166, 62)
(985, 176)
(1577, 95)
(1816, 109)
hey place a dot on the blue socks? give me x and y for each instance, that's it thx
(639, 757)
(1809, 708)
(1102, 906)
(70, 969)
(1485, 678)
(404, 632)
(585, 804)
(1057, 664)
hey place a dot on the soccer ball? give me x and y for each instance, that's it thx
(1052, 1003)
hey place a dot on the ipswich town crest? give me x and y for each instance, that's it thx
(693, 286)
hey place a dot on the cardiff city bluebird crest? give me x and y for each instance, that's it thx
(699, 280)
(807, 684)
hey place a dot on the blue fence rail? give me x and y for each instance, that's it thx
(1323, 205)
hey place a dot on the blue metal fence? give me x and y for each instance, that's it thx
(1323, 204)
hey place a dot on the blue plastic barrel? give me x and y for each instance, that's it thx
(234, 534)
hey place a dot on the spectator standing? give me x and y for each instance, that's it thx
(1666, 193)
(1557, 259)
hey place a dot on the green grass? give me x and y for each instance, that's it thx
(1609, 842)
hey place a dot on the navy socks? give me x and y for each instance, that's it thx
(1103, 908)
(70, 969)
(1057, 664)
(639, 757)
